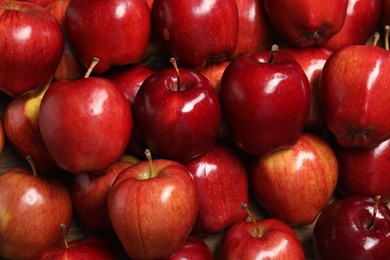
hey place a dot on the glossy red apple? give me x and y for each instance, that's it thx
(354, 227)
(31, 210)
(222, 183)
(268, 238)
(355, 97)
(295, 184)
(210, 28)
(305, 23)
(265, 100)
(115, 31)
(153, 206)
(170, 111)
(90, 192)
(30, 47)
(193, 248)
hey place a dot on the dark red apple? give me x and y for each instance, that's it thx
(193, 248)
(386, 11)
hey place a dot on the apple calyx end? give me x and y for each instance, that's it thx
(178, 85)
(94, 62)
(259, 232)
(63, 230)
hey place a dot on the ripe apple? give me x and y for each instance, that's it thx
(386, 11)
(294, 184)
(90, 192)
(115, 31)
(305, 23)
(170, 111)
(153, 206)
(222, 183)
(355, 97)
(86, 124)
(364, 171)
(265, 100)
(361, 22)
(30, 47)
(193, 248)
(261, 239)
(43, 3)
(210, 28)
(354, 227)
(214, 71)
(31, 210)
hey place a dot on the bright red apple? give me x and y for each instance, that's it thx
(193, 248)
(295, 184)
(153, 206)
(265, 100)
(30, 47)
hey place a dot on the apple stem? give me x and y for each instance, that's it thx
(387, 33)
(274, 49)
(375, 212)
(376, 38)
(148, 155)
(176, 67)
(32, 165)
(259, 232)
(63, 229)
(94, 62)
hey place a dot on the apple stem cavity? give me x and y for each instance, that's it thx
(387, 34)
(63, 230)
(274, 49)
(148, 155)
(178, 86)
(94, 62)
(375, 212)
(259, 232)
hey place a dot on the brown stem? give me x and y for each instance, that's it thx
(176, 67)
(387, 33)
(148, 155)
(63, 229)
(32, 165)
(94, 62)
(376, 38)
(274, 49)
(259, 232)
(375, 212)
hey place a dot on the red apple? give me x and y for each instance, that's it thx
(86, 124)
(115, 31)
(193, 248)
(386, 11)
(43, 3)
(354, 95)
(214, 71)
(89, 195)
(169, 110)
(31, 46)
(31, 210)
(354, 227)
(295, 184)
(195, 32)
(268, 238)
(222, 183)
(153, 206)
(2, 136)
(305, 23)
(265, 100)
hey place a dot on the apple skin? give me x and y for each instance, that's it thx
(354, 95)
(214, 71)
(25, 29)
(361, 22)
(341, 230)
(177, 112)
(193, 248)
(115, 31)
(306, 174)
(90, 195)
(254, 96)
(22, 129)
(71, 113)
(91, 247)
(305, 23)
(364, 171)
(222, 183)
(386, 11)
(278, 241)
(184, 26)
(32, 210)
(312, 61)
(153, 206)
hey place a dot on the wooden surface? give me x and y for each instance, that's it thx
(10, 159)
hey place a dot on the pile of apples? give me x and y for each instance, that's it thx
(157, 124)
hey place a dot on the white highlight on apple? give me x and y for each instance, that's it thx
(190, 105)
(32, 197)
(23, 33)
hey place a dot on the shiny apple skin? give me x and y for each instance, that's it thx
(222, 182)
(193, 248)
(340, 231)
(255, 95)
(115, 31)
(25, 29)
(153, 214)
(32, 210)
(85, 124)
(177, 123)
(365, 171)
(209, 27)
(294, 184)
(279, 241)
(355, 97)
(306, 23)
(361, 22)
